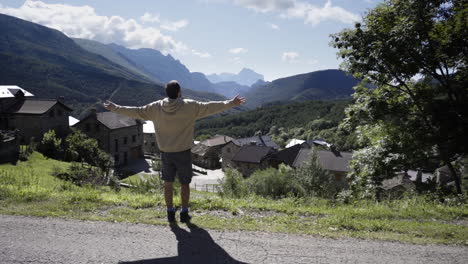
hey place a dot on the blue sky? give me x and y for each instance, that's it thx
(276, 38)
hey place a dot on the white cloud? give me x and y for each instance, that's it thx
(273, 26)
(290, 56)
(238, 50)
(150, 18)
(84, 22)
(201, 54)
(311, 14)
(174, 26)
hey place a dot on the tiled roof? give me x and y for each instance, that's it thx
(34, 106)
(294, 141)
(265, 141)
(8, 91)
(114, 121)
(288, 155)
(215, 141)
(333, 161)
(252, 153)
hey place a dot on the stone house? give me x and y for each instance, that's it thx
(150, 146)
(250, 158)
(285, 156)
(207, 154)
(9, 146)
(31, 117)
(118, 135)
(230, 149)
(337, 163)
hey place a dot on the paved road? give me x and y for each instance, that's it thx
(52, 240)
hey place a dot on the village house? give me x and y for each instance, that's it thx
(150, 145)
(207, 154)
(230, 149)
(285, 156)
(31, 117)
(250, 158)
(336, 162)
(9, 147)
(118, 135)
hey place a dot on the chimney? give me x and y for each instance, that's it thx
(61, 98)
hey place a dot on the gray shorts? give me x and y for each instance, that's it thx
(179, 163)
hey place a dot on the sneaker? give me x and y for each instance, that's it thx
(171, 216)
(185, 217)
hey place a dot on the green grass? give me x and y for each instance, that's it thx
(29, 189)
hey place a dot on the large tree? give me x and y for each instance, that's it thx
(411, 106)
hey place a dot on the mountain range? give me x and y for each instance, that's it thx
(49, 64)
(319, 85)
(245, 77)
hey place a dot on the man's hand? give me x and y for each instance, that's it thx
(109, 105)
(238, 100)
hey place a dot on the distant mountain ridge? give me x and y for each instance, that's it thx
(245, 77)
(165, 68)
(49, 64)
(319, 85)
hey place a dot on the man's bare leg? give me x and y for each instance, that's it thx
(185, 195)
(168, 193)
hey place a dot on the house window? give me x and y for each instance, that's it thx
(96, 127)
(125, 157)
(228, 150)
(116, 158)
(116, 143)
(134, 138)
(52, 113)
(125, 140)
(59, 112)
(87, 127)
(153, 144)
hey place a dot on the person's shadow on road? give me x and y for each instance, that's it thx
(196, 246)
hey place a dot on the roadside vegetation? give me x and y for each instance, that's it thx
(29, 188)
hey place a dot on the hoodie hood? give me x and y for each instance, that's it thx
(171, 105)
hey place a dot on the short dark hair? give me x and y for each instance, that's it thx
(172, 89)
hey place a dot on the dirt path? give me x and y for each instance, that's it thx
(53, 240)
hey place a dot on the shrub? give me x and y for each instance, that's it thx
(275, 183)
(50, 145)
(26, 151)
(80, 175)
(233, 184)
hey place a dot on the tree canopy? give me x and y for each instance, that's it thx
(409, 109)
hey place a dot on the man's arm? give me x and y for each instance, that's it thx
(210, 108)
(143, 112)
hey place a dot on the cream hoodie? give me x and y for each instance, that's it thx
(174, 119)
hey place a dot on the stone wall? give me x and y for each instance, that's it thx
(247, 168)
(227, 154)
(126, 144)
(150, 145)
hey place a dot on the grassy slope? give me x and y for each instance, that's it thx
(28, 189)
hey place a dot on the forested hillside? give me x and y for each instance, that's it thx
(318, 85)
(302, 120)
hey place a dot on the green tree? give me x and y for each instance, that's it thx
(50, 145)
(314, 179)
(410, 107)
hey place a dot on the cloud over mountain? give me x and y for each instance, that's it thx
(84, 22)
(311, 14)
